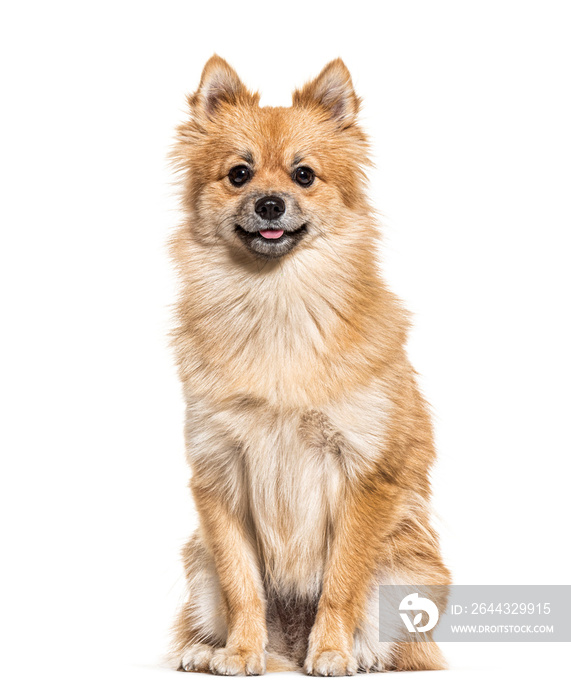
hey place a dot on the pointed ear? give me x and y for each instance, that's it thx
(332, 90)
(219, 84)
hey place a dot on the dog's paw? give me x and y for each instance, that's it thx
(369, 662)
(197, 657)
(330, 663)
(235, 662)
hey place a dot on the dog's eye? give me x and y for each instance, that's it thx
(304, 176)
(239, 175)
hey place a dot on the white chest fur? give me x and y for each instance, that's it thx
(286, 469)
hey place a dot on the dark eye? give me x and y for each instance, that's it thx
(304, 176)
(239, 175)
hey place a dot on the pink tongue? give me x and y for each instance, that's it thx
(272, 233)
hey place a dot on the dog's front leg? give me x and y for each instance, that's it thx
(368, 516)
(241, 586)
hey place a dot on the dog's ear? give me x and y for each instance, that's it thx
(219, 84)
(332, 90)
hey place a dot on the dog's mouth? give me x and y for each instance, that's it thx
(271, 242)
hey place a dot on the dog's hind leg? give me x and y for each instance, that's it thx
(392, 653)
(200, 627)
(413, 559)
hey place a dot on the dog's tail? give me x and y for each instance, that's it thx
(276, 663)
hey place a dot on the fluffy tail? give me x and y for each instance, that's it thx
(276, 663)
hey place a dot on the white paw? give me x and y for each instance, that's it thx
(233, 662)
(197, 657)
(368, 661)
(330, 663)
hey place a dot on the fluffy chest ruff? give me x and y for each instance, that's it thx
(284, 471)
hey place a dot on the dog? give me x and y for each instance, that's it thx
(308, 439)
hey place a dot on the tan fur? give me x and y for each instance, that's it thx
(309, 441)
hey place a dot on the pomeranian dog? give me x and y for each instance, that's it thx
(307, 436)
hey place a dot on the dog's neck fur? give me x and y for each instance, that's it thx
(295, 325)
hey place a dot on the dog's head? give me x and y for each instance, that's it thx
(264, 179)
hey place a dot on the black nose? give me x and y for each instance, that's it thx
(270, 207)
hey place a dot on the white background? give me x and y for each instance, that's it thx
(468, 107)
